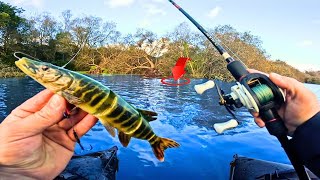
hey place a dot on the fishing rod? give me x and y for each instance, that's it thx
(257, 93)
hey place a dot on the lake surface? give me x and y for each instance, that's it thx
(183, 115)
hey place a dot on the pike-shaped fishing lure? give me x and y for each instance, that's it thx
(99, 101)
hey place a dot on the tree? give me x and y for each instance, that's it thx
(92, 33)
(11, 24)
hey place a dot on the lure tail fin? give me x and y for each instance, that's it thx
(162, 144)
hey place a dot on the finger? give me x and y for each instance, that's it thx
(83, 126)
(259, 122)
(254, 114)
(50, 114)
(256, 71)
(59, 136)
(257, 119)
(67, 123)
(33, 104)
(283, 82)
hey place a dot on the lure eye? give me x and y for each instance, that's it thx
(45, 68)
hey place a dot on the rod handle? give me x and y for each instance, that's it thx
(273, 122)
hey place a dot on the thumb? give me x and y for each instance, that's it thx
(49, 115)
(282, 81)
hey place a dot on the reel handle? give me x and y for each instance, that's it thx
(221, 127)
(201, 88)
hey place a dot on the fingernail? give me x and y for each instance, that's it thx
(275, 75)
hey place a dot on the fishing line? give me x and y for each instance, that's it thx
(81, 47)
(238, 58)
(263, 93)
(226, 47)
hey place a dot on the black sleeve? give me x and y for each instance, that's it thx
(306, 142)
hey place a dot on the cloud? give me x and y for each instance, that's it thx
(118, 3)
(305, 43)
(154, 10)
(34, 3)
(214, 12)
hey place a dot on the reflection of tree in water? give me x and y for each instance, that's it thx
(15, 91)
(3, 97)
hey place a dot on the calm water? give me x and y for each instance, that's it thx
(183, 116)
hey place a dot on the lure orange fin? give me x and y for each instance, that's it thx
(162, 144)
(124, 138)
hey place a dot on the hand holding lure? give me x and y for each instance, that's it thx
(257, 93)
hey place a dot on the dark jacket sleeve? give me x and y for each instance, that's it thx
(306, 142)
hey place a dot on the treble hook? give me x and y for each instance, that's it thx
(78, 141)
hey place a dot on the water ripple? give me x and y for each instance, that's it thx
(3, 97)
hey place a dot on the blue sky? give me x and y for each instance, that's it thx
(289, 29)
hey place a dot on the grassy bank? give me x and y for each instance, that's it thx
(7, 71)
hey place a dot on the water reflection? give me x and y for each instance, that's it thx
(3, 97)
(183, 116)
(15, 91)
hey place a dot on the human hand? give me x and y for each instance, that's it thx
(300, 105)
(36, 141)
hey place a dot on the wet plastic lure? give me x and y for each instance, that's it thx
(99, 101)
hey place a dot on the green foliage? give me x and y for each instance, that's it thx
(7, 71)
(11, 30)
(103, 50)
(313, 77)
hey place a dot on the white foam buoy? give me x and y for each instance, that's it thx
(220, 127)
(200, 88)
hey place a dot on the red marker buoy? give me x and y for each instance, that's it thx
(177, 73)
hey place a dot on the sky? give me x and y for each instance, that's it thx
(289, 29)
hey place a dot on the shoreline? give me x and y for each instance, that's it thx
(13, 72)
